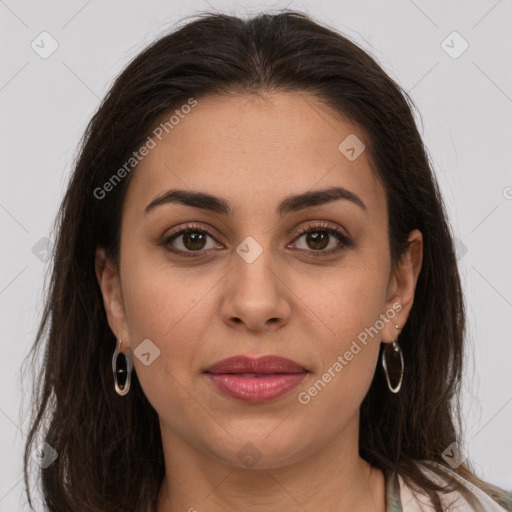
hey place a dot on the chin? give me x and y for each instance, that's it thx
(261, 451)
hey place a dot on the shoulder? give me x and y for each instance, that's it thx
(475, 500)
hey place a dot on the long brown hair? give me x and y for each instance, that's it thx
(109, 447)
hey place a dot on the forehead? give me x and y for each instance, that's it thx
(255, 150)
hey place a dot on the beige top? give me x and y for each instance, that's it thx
(401, 498)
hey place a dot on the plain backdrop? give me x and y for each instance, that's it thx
(464, 96)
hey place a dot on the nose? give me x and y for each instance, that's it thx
(256, 296)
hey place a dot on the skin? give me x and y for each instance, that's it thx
(254, 151)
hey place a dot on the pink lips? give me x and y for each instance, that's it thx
(255, 380)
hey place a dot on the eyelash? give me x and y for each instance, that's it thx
(310, 228)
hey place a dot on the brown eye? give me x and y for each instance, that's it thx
(194, 240)
(317, 240)
(189, 240)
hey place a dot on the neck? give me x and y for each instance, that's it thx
(332, 479)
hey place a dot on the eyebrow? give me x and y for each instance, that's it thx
(290, 204)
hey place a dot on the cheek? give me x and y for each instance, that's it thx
(347, 310)
(171, 311)
(158, 298)
(348, 354)
(346, 301)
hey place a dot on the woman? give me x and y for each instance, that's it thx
(255, 301)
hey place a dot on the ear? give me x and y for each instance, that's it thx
(110, 285)
(402, 286)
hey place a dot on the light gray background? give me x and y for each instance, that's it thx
(466, 108)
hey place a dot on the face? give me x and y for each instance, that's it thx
(310, 281)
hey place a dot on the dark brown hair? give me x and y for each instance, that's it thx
(109, 447)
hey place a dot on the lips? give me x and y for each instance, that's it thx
(260, 366)
(255, 380)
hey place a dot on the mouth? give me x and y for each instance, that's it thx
(255, 380)
(264, 365)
